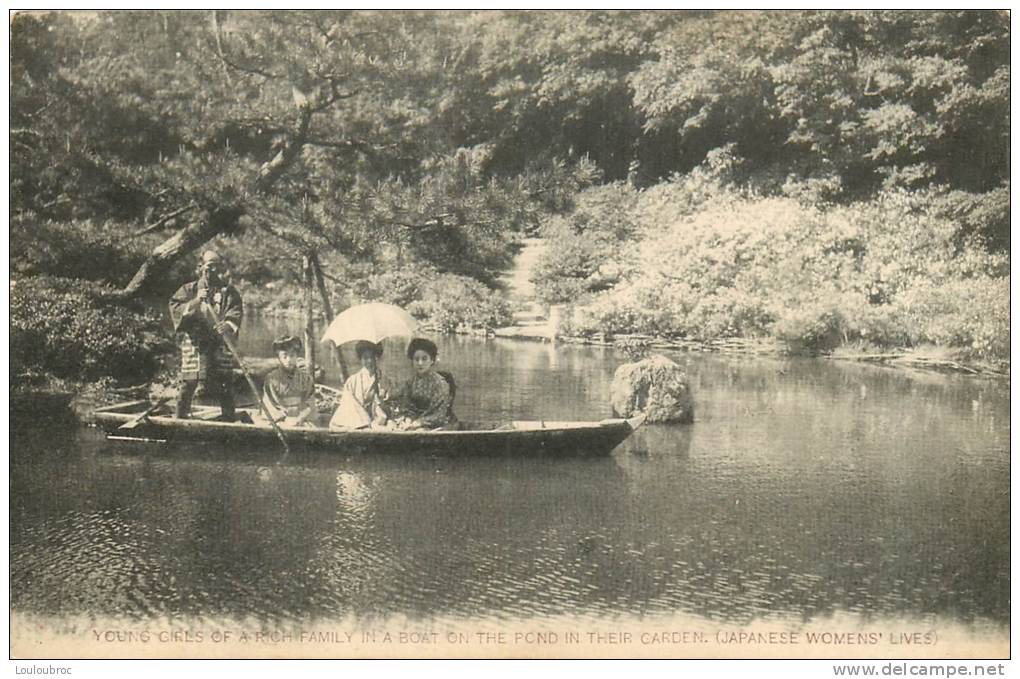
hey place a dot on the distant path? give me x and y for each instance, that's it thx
(529, 314)
(518, 279)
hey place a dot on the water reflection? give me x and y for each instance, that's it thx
(805, 489)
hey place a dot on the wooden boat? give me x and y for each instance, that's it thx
(517, 438)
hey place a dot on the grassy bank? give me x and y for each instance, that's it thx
(698, 259)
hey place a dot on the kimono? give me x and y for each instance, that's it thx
(288, 393)
(361, 405)
(428, 399)
(202, 349)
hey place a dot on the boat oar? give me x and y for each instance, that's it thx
(137, 420)
(254, 390)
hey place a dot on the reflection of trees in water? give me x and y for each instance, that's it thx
(491, 536)
(183, 536)
(80, 541)
(250, 535)
(809, 486)
(820, 413)
(383, 536)
(748, 531)
(803, 488)
(500, 379)
(676, 520)
(839, 379)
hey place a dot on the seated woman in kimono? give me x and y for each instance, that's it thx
(289, 392)
(425, 402)
(364, 394)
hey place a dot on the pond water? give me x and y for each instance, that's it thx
(805, 489)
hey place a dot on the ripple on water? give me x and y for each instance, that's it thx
(792, 495)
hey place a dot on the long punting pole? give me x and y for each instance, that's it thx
(254, 390)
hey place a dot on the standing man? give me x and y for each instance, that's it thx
(201, 312)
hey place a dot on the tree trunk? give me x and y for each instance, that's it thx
(309, 317)
(181, 243)
(327, 312)
(270, 172)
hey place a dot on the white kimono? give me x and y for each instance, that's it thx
(361, 405)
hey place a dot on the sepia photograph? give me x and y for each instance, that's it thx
(460, 334)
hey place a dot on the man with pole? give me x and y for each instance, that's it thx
(206, 315)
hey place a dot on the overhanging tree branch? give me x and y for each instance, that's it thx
(224, 219)
(300, 243)
(159, 223)
(350, 145)
(221, 220)
(250, 70)
(334, 96)
(273, 169)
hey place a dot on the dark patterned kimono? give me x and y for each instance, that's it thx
(201, 346)
(204, 356)
(427, 398)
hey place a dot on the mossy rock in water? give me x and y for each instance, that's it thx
(655, 386)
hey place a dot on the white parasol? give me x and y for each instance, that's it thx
(372, 322)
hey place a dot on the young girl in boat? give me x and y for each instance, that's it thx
(425, 401)
(364, 394)
(289, 392)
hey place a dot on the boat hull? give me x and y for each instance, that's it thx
(519, 439)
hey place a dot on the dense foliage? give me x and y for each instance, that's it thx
(60, 328)
(432, 142)
(590, 249)
(715, 261)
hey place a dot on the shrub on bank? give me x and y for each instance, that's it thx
(591, 248)
(972, 314)
(450, 302)
(398, 286)
(812, 328)
(903, 268)
(442, 301)
(60, 327)
(72, 250)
